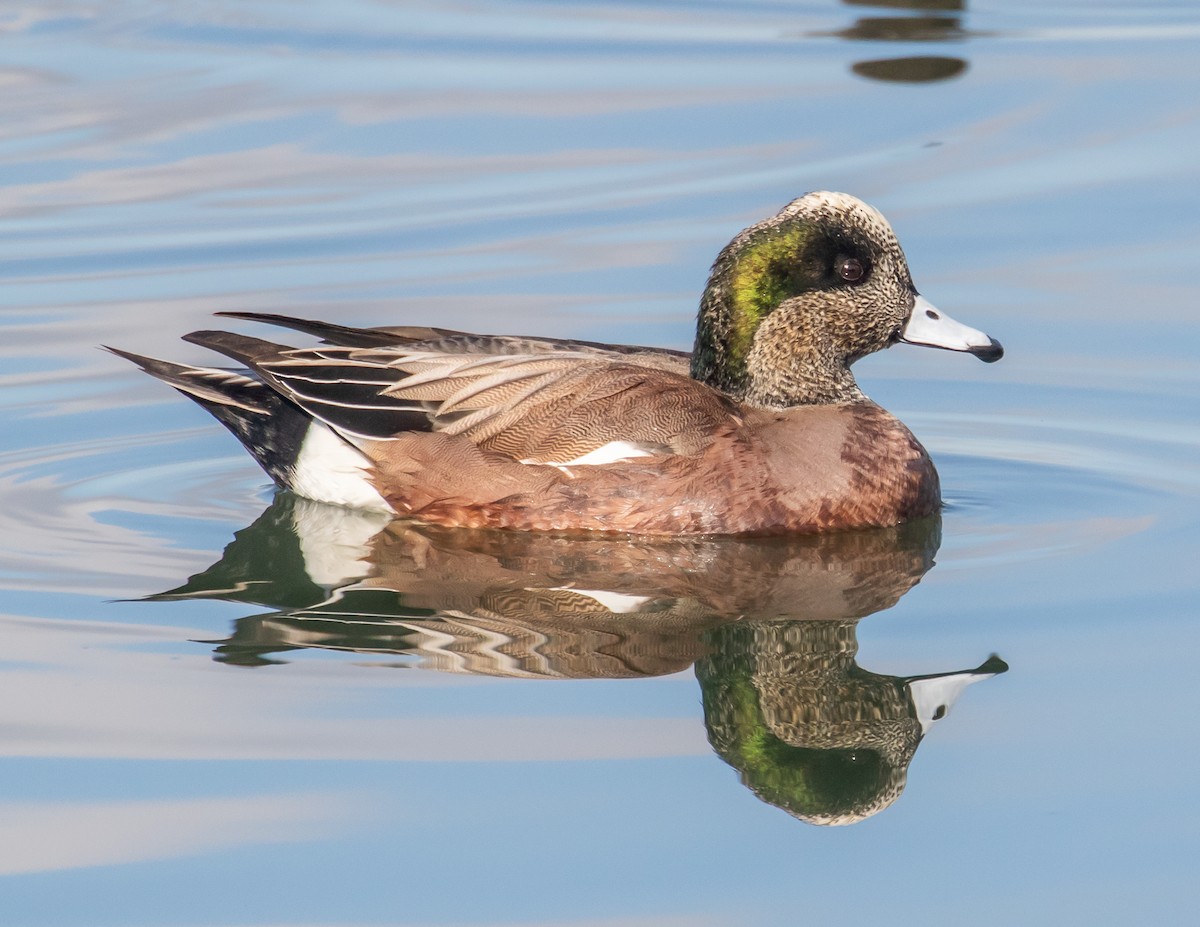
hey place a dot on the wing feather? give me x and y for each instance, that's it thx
(542, 407)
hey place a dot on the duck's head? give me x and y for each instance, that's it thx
(796, 299)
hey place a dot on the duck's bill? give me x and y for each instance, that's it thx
(933, 328)
(933, 695)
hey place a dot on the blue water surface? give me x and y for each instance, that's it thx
(261, 758)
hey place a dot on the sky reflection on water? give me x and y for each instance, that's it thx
(572, 169)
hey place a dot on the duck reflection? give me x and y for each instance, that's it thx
(768, 623)
(808, 729)
(936, 21)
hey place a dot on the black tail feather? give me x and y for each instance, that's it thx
(242, 348)
(270, 427)
(206, 385)
(345, 335)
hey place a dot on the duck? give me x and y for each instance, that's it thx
(760, 430)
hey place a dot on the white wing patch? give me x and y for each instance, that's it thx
(611, 452)
(617, 602)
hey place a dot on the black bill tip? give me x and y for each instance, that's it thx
(989, 353)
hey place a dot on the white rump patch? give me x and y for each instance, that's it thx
(335, 542)
(330, 470)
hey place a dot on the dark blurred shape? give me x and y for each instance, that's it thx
(927, 26)
(946, 6)
(922, 69)
(903, 29)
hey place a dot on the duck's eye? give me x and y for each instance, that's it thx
(850, 269)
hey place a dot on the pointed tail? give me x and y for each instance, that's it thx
(271, 428)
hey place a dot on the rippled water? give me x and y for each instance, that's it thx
(218, 710)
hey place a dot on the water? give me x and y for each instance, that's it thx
(553, 732)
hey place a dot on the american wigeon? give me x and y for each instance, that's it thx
(762, 429)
